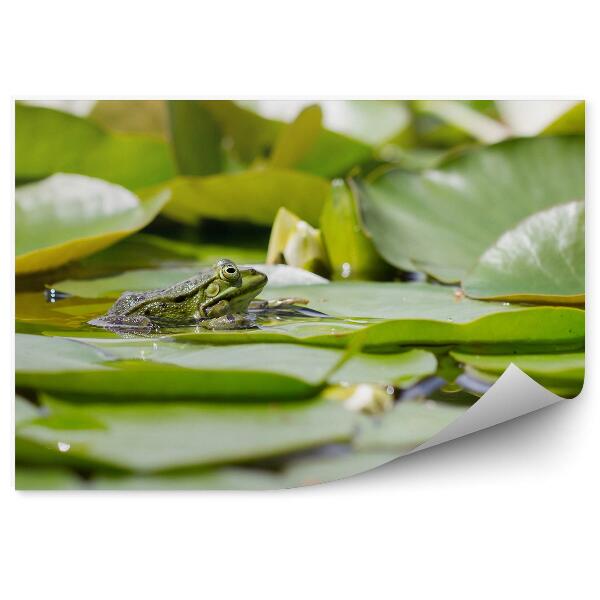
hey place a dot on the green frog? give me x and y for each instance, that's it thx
(217, 298)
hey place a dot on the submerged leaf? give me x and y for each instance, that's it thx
(541, 260)
(66, 217)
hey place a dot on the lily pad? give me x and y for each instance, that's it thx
(299, 472)
(66, 217)
(442, 220)
(352, 129)
(163, 369)
(195, 138)
(49, 141)
(156, 437)
(32, 478)
(297, 138)
(407, 425)
(254, 196)
(562, 373)
(540, 260)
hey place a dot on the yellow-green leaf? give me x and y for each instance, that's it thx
(296, 139)
(253, 196)
(66, 217)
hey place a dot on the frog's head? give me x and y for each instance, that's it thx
(230, 289)
(223, 289)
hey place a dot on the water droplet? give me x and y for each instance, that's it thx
(506, 304)
(63, 446)
(346, 270)
(390, 390)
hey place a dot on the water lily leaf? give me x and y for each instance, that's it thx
(442, 220)
(296, 139)
(164, 369)
(149, 279)
(407, 425)
(65, 217)
(195, 137)
(562, 372)
(303, 472)
(383, 438)
(541, 260)
(24, 410)
(155, 437)
(362, 125)
(254, 196)
(32, 478)
(49, 141)
(401, 369)
(351, 252)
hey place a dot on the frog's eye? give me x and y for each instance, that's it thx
(230, 272)
(213, 289)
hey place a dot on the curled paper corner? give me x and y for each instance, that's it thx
(513, 395)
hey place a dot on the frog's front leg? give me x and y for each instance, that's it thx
(263, 304)
(229, 321)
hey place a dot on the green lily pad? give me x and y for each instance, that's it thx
(297, 138)
(303, 472)
(540, 260)
(562, 373)
(442, 220)
(195, 138)
(406, 426)
(156, 437)
(352, 129)
(254, 196)
(66, 217)
(381, 439)
(33, 478)
(49, 141)
(159, 368)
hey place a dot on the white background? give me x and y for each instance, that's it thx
(507, 513)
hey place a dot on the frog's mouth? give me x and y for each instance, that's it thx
(236, 299)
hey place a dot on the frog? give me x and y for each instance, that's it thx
(216, 298)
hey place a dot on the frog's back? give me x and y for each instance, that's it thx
(130, 301)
